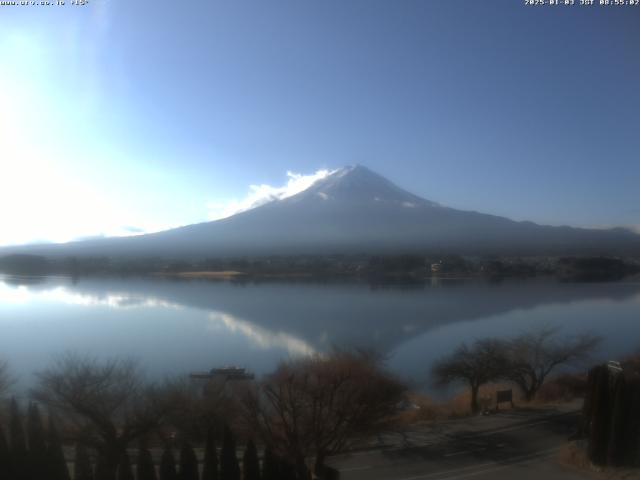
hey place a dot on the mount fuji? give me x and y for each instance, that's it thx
(354, 210)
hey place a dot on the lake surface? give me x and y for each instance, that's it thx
(175, 327)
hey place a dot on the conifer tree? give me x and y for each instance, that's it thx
(18, 444)
(38, 458)
(632, 458)
(145, 469)
(56, 462)
(269, 466)
(250, 462)
(600, 411)
(229, 467)
(5, 457)
(188, 463)
(286, 470)
(168, 465)
(103, 470)
(124, 468)
(210, 464)
(82, 464)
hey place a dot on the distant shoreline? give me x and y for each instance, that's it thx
(223, 274)
(230, 275)
(235, 275)
(375, 268)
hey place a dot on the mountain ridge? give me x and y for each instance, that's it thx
(355, 210)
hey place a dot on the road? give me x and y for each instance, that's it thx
(519, 446)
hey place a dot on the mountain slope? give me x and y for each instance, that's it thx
(355, 210)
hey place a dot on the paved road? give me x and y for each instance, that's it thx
(517, 446)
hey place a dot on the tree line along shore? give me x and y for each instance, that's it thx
(386, 267)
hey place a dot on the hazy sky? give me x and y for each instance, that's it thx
(124, 116)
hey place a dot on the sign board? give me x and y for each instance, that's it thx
(504, 396)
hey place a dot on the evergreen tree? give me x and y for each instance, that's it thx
(103, 471)
(124, 468)
(229, 467)
(188, 463)
(600, 415)
(619, 422)
(18, 444)
(168, 466)
(632, 457)
(250, 462)
(287, 470)
(210, 464)
(145, 468)
(5, 457)
(56, 462)
(38, 458)
(82, 464)
(269, 466)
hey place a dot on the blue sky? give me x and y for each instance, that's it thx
(123, 116)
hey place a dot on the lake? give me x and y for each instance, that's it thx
(175, 327)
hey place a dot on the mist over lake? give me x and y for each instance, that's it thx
(176, 327)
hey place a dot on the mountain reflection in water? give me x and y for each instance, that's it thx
(179, 326)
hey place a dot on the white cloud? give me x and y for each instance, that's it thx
(261, 194)
(260, 337)
(22, 294)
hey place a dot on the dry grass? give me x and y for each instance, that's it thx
(560, 390)
(563, 388)
(428, 411)
(431, 410)
(573, 455)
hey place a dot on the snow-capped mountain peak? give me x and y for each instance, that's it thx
(358, 184)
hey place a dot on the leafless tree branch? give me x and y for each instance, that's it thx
(314, 407)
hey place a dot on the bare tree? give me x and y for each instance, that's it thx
(195, 409)
(535, 354)
(482, 362)
(107, 402)
(318, 406)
